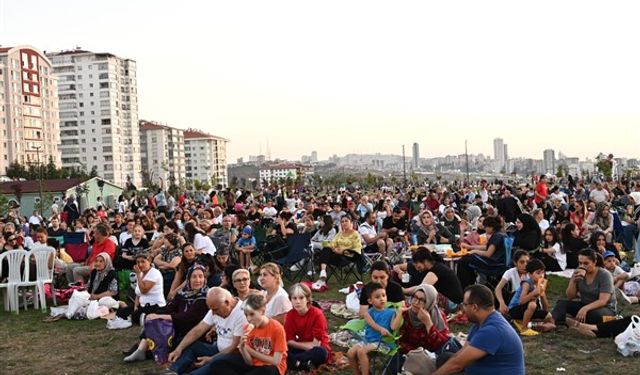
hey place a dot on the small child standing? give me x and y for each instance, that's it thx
(530, 301)
(387, 318)
(245, 246)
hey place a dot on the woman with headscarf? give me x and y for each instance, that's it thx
(602, 220)
(102, 280)
(528, 235)
(425, 325)
(185, 311)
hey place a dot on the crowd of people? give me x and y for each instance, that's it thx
(208, 263)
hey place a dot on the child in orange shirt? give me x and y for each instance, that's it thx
(263, 345)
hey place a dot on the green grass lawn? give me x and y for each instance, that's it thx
(30, 346)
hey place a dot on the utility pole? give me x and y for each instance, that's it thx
(37, 148)
(466, 154)
(404, 168)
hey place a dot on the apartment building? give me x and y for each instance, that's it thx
(206, 157)
(162, 153)
(99, 114)
(29, 132)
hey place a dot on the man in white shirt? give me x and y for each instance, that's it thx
(226, 316)
(124, 236)
(371, 240)
(599, 194)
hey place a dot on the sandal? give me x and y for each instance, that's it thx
(50, 319)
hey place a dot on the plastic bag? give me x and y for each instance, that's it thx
(159, 333)
(78, 300)
(353, 302)
(628, 342)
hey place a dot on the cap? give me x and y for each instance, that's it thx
(608, 254)
(247, 230)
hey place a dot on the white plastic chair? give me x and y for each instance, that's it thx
(5, 285)
(44, 273)
(17, 279)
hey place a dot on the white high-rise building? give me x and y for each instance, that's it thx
(99, 114)
(206, 157)
(162, 153)
(549, 161)
(498, 154)
(28, 108)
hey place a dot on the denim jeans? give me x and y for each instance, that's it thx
(234, 358)
(191, 354)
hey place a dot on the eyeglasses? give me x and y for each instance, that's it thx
(243, 280)
(417, 299)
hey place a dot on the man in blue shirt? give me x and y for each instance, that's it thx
(493, 346)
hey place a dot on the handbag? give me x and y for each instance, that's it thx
(628, 342)
(420, 362)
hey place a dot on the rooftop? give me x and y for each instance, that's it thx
(195, 133)
(33, 186)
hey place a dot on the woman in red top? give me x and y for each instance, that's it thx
(580, 216)
(425, 325)
(306, 329)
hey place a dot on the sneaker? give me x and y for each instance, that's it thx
(318, 285)
(118, 323)
(323, 274)
(622, 298)
(529, 332)
(297, 267)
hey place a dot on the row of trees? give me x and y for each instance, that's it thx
(15, 170)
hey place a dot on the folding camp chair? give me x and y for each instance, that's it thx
(346, 267)
(380, 362)
(75, 246)
(492, 275)
(299, 251)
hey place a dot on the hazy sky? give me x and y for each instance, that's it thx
(368, 76)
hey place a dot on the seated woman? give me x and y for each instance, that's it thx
(221, 260)
(149, 295)
(580, 216)
(594, 286)
(277, 299)
(306, 329)
(451, 221)
(346, 245)
(225, 236)
(491, 259)
(187, 260)
(102, 280)
(200, 241)
(241, 279)
(427, 268)
(599, 243)
(263, 346)
(431, 233)
(325, 233)
(169, 258)
(511, 280)
(528, 235)
(602, 220)
(425, 325)
(185, 311)
(551, 252)
(572, 244)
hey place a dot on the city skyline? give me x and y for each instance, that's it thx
(304, 77)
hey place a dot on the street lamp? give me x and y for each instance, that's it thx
(37, 148)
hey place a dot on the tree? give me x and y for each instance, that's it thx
(4, 205)
(560, 172)
(16, 170)
(604, 166)
(45, 203)
(50, 170)
(94, 171)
